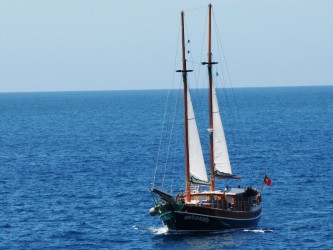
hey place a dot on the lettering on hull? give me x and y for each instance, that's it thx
(197, 218)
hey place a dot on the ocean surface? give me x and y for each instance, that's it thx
(76, 168)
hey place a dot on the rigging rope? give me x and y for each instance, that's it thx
(204, 82)
(170, 138)
(165, 111)
(173, 122)
(223, 82)
(204, 6)
(219, 42)
(197, 98)
(199, 94)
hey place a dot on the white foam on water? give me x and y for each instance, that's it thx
(258, 230)
(159, 230)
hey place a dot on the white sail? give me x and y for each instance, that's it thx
(197, 165)
(221, 156)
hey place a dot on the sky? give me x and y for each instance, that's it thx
(73, 45)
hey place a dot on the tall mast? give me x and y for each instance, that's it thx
(211, 144)
(184, 74)
(211, 124)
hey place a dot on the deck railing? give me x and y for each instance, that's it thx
(243, 205)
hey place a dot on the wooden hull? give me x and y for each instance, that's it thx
(198, 218)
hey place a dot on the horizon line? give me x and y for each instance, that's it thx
(152, 89)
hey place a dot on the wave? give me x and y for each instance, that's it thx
(258, 230)
(158, 230)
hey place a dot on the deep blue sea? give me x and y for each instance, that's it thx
(76, 168)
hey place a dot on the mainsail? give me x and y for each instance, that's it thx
(221, 156)
(198, 172)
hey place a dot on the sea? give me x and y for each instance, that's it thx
(76, 168)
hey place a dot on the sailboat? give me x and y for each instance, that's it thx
(212, 209)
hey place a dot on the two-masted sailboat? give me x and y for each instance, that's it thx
(209, 210)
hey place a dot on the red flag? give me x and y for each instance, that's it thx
(268, 181)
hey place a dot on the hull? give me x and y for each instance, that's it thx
(197, 218)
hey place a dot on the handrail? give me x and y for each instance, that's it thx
(244, 205)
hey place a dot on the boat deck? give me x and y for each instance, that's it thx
(234, 199)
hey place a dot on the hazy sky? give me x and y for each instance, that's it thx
(50, 45)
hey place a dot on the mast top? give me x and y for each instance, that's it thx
(209, 61)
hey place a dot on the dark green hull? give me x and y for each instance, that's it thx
(180, 217)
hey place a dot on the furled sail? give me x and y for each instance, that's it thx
(198, 172)
(221, 156)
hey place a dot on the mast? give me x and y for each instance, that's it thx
(184, 74)
(211, 124)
